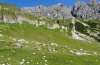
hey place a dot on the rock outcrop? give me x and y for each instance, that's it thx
(58, 11)
(10, 13)
(89, 10)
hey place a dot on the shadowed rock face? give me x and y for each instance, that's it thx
(90, 10)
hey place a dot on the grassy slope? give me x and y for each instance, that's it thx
(33, 56)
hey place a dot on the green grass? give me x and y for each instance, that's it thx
(37, 48)
(31, 53)
(9, 11)
(11, 8)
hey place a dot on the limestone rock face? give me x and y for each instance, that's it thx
(89, 10)
(58, 11)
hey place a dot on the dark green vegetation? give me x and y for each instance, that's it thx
(41, 46)
(90, 27)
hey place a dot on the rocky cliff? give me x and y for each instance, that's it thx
(58, 11)
(90, 10)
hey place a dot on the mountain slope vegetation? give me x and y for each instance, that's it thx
(28, 44)
(29, 40)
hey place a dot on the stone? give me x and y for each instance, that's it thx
(90, 10)
(58, 11)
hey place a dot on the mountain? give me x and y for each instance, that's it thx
(54, 35)
(58, 11)
(89, 10)
(57, 16)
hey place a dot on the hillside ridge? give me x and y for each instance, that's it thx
(90, 10)
(90, 29)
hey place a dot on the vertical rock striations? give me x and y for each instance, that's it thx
(89, 10)
(58, 11)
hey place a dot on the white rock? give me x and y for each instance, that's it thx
(54, 26)
(81, 49)
(27, 62)
(37, 63)
(95, 53)
(21, 40)
(34, 53)
(39, 48)
(54, 44)
(44, 56)
(23, 60)
(21, 63)
(45, 60)
(46, 64)
(14, 39)
(42, 22)
(34, 22)
(71, 61)
(44, 45)
(8, 64)
(96, 60)
(82, 53)
(33, 41)
(18, 45)
(1, 35)
(3, 64)
(8, 58)
(38, 43)
(13, 51)
(78, 53)
(63, 27)
(1, 57)
(85, 24)
(72, 51)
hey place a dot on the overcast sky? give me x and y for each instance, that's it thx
(30, 3)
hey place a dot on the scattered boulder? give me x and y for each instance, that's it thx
(54, 26)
